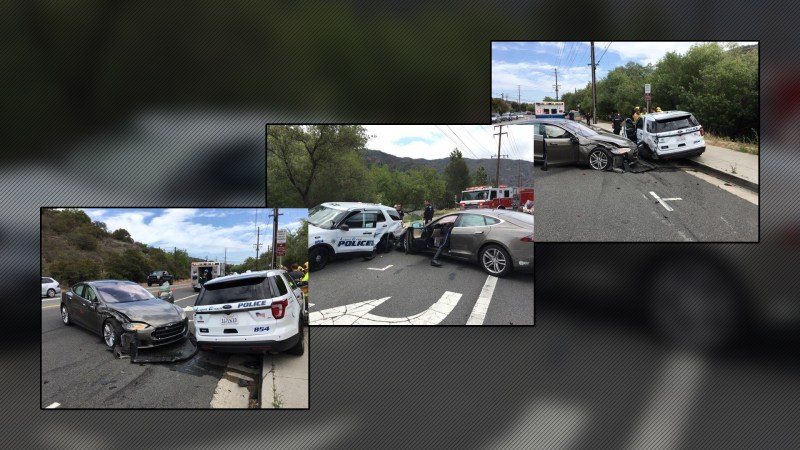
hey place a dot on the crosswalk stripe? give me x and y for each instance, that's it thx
(478, 314)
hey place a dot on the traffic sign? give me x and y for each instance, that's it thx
(281, 236)
(647, 96)
(280, 249)
(647, 88)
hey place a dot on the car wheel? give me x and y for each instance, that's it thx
(599, 160)
(644, 149)
(318, 258)
(300, 347)
(383, 245)
(65, 315)
(495, 260)
(111, 333)
(51, 292)
(407, 245)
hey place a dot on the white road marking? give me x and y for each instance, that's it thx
(310, 305)
(478, 313)
(674, 395)
(184, 298)
(54, 405)
(358, 313)
(372, 268)
(662, 200)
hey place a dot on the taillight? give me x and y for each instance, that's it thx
(702, 132)
(527, 239)
(279, 308)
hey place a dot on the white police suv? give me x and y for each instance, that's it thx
(349, 228)
(670, 134)
(253, 312)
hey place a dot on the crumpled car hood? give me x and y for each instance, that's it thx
(155, 312)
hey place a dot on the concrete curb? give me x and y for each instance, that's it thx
(727, 176)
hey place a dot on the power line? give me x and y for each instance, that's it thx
(604, 52)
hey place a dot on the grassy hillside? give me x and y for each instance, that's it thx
(74, 248)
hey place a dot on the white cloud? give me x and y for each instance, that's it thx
(432, 142)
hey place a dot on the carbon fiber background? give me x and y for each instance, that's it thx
(137, 104)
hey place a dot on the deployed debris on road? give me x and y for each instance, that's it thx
(636, 165)
(167, 354)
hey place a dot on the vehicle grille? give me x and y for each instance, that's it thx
(169, 331)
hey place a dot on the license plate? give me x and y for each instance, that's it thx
(228, 320)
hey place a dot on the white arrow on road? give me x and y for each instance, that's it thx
(372, 268)
(359, 313)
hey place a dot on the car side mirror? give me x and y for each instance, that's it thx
(574, 139)
(344, 227)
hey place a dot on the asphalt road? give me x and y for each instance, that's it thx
(409, 286)
(579, 204)
(78, 371)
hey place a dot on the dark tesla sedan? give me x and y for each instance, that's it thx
(111, 307)
(570, 142)
(497, 240)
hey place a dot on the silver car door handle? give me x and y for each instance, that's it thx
(478, 232)
(368, 232)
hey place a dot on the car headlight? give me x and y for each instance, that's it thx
(134, 326)
(181, 312)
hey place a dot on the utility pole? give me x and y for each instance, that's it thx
(499, 138)
(594, 90)
(274, 215)
(519, 99)
(556, 85)
(225, 262)
(257, 244)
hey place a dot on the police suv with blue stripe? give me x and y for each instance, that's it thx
(349, 228)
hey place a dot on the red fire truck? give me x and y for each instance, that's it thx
(502, 197)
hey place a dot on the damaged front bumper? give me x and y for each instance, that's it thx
(630, 162)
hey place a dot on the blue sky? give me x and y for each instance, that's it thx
(525, 70)
(201, 232)
(437, 141)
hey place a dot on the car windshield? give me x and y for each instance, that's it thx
(324, 217)
(581, 129)
(474, 195)
(676, 123)
(123, 293)
(252, 288)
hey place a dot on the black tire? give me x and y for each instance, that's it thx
(112, 334)
(406, 244)
(598, 159)
(383, 244)
(318, 258)
(644, 149)
(51, 293)
(495, 261)
(148, 283)
(65, 315)
(300, 347)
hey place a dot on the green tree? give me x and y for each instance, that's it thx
(307, 165)
(456, 176)
(500, 106)
(481, 178)
(70, 272)
(122, 235)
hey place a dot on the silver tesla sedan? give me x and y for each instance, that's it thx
(498, 240)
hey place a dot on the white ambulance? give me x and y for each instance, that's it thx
(202, 271)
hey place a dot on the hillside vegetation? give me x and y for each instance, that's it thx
(74, 248)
